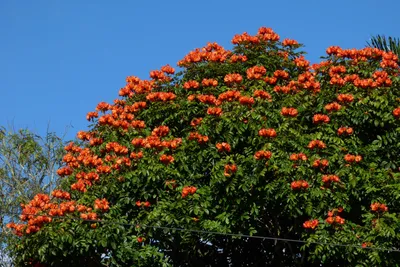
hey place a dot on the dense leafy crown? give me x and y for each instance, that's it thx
(252, 140)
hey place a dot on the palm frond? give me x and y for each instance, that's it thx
(385, 43)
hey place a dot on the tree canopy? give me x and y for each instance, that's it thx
(253, 141)
(28, 164)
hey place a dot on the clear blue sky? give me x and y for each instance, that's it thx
(58, 59)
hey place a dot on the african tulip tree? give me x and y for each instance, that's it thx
(251, 140)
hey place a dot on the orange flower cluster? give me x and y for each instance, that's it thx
(207, 99)
(396, 112)
(90, 176)
(34, 213)
(89, 216)
(160, 131)
(267, 132)
(301, 62)
(159, 76)
(327, 179)
(379, 207)
(333, 106)
(246, 100)
(212, 52)
(382, 78)
(320, 163)
(223, 147)
(335, 220)
(191, 84)
(214, 111)
(233, 78)
(316, 144)
(289, 42)
(352, 158)
(320, 118)
(362, 54)
(117, 148)
(229, 169)
(188, 190)
(155, 142)
(346, 98)
(299, 156)
(345, 130)
(209, 82)
(335, 70)
(61, 194)
(270, 80)
(167, 159)
(236, 58)
(137, 106)
(201, 139)
(307, 81)
(64, 171)
(229, 96)
(103, 106)
(289, 112)
(195, 122)
(267, 34)
(256, 72)
(160, 96)
(136, 86)
(138, 155)
(262, 154)
(300, 184)
(101, 204)
(311, 224)
(245, 38)
(104, 169)
(84, 136)
(145, 204)
(91, 115)
(168, 69)
(281, 74)
(124, 124)
(389, 60)
(81, 185)
(287, 89)
(262, 94)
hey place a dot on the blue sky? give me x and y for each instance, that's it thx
(58, 59)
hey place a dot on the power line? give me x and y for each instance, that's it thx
(217, 233)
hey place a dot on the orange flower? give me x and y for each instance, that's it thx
(262, 155)
(300, 184)
(396, 113)
(233, 78)
(267, 132)
(320, 118)
(188, 190)
(311, 224)
(289, 112)
(229, 169)
(167, 159)
(191, 84)
(223, 147)
(256, 72)
(333, 106)
(379, 207)
(316, 144)
(214, 111)
(209, 82)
